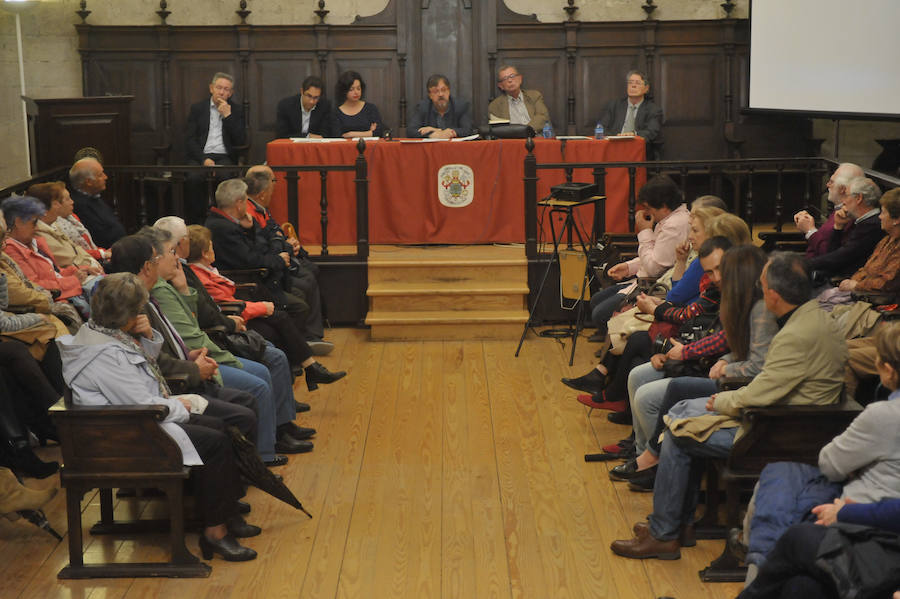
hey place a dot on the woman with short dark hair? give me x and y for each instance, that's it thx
(354, 116)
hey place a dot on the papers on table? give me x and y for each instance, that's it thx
(466, 138)
(573, 137)
(315, 140)
(617, 137)
(422, 140)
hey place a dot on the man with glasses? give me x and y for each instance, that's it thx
(519, 106)
(440, 115)
(307, 114)
(634, 114)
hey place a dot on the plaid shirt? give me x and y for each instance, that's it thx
(709, 347)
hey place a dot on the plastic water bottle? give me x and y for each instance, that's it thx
(548, 130)
(598, 131)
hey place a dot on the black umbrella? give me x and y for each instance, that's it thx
(251, 466)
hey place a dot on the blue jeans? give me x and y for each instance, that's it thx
(677, 486)
(282, 383)
(604, 303)
(246, 379)
(646, 389)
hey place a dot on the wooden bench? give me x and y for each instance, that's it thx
(772, 434)
(107, 447)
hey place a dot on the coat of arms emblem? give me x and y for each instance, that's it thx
(456, 185)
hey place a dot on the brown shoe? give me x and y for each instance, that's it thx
(644, 546)
(686, 537)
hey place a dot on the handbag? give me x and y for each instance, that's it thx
(622, 325)
(246, 344)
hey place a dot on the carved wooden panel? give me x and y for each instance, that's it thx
(382, 80)
(688, 89)
(600, 78)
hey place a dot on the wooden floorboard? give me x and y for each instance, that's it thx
(441, 470)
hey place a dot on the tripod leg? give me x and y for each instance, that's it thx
(553, 258)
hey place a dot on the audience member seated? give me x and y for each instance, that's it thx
(57, 202)
(804, 366)
(634, 114)
(838, 188)
(270, 382)
(747, 330)
(23, 295)
(661, 226)
(261, 317)
(33, 256)
(242, 245)
(307, 114)
(683, 279)
(87, 180)
(880, 275)
(607, 382)
(354, 117)
(303, 273)
(440, 116)
(516, 105)
(861, 207)
(112, 361)
(860, 465)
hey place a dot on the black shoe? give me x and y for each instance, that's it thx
(301, 407)
(629, 472)
(243, 507)
(643, 483)
(19, 457)
(227, 547)
(619, 418)
(288, 444)
(239, 528)
(316, 373)
(598, 337)
(300, 433)
(278, 460)
(592, 382)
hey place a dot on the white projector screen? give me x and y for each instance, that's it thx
(834, 57)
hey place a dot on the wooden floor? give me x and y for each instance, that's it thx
(441, 469)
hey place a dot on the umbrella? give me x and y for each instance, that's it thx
(251, 466)
(38, 518)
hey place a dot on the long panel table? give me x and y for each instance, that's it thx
(483, 203)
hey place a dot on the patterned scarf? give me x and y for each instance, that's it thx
(74, 230)
(129, 341)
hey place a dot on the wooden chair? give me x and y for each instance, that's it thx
(772, 434)
(106, 447)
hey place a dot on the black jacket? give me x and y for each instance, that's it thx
(647, 121)
(458, 118)
(844, 260)
(289, 119)
(98, 217)
(233, 132)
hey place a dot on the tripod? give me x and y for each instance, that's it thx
(564, 207)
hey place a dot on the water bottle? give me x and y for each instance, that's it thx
(598, 131)
(548, 130)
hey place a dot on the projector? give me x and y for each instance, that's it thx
(573, 192)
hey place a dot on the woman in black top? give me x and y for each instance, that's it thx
(355, 117)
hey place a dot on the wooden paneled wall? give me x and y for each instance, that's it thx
(697, 71)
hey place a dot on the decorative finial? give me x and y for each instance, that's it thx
(84, 12)
(728, 6)
(649, 7)
(571, 9)
(322, 13)
(162, 12)
(243, 13)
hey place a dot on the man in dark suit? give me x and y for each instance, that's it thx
(87, 181)
(440, 115)
(634, 114)
(307, 114)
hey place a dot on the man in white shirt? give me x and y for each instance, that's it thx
(306, 114)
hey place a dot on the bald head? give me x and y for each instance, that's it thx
(87, 175)
(260, 181)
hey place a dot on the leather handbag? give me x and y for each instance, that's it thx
(246, 344)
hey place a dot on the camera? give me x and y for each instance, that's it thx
(662, 344)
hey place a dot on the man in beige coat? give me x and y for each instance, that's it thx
(804, 366)
(518, 106)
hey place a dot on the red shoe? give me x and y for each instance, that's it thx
(588, 400)
(598, 402)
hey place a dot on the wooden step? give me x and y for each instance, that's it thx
(443, 324)
(402, 296)
(448, 264)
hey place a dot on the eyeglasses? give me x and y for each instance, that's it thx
(635, 82)
(311, 97)
(508, 78)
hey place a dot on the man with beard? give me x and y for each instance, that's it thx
(440, 116)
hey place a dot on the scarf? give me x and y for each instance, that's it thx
(75, 231)
(129, 341)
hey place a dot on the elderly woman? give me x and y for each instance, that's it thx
(262, 317)
(57, 202)
(32, 254)
(112, 360)
(881, 273)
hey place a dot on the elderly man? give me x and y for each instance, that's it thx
(303, 272)
(307, 114)
(215, 125)
(838, 189)
(860, 209)
(634, 114)
(440, 116)
(804, 366)
(519, 106)
(87, 181)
